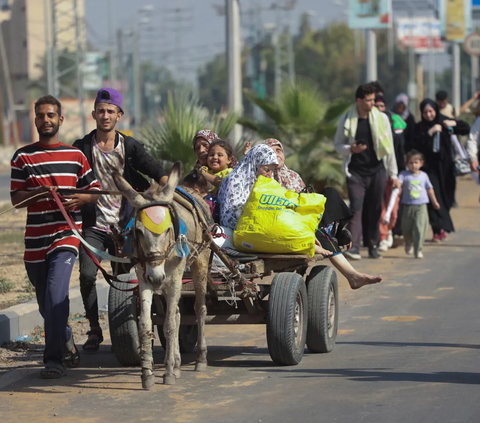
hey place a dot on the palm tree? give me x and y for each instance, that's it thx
(306, 126)
(171, 140)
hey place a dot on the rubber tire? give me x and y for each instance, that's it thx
(187, 338)
(280, 321)
(123, 314)
(319, 283)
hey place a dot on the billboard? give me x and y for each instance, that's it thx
(369, 14)
(423, 34)
(455, 18)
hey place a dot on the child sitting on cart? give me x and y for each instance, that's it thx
(263, 160)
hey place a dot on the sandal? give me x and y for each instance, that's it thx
(92, 345)
(71, 357)
(53, 370)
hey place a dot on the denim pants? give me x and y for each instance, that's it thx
(51, 279)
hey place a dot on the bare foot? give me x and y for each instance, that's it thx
(358, 280)
(321, 251)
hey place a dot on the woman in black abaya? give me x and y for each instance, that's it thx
(432, 138)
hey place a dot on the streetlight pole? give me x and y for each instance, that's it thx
(111, 43)
(456, 75)
(234, 63)
(371, 55)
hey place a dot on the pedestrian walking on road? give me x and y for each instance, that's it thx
(398, 127)
(50, 245)
(108, 150)
(433, 140)
(401, 109)
(364, 139)
(445, 108)
(417, 192)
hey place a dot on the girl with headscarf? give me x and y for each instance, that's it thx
(401, 109)
(432, 138)
(328, 236)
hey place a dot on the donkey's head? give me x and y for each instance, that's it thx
(154, 233)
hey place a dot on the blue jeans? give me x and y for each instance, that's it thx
(51, 279)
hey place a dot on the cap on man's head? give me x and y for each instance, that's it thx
(110, 96)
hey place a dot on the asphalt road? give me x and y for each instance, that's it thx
(407, 351)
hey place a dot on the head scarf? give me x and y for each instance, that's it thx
(287, 178)
(237, 186)
(206, 134)
(380, 99)
(438, 117)
(403, 99)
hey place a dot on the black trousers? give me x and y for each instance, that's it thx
(366, 195)
(88, 271)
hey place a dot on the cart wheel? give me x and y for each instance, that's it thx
(322, 290)
(123, 313)
(287, 319)
(187, 338)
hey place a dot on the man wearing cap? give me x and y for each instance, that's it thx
(107, 150)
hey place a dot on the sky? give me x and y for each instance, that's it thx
(189, 38)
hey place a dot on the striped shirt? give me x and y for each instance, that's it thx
(58, 165)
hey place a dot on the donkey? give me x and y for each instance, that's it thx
(161, 262)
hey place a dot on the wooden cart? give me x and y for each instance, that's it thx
(299, 306)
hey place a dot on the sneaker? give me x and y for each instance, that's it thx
(436, 238)
(390, 239)
(419, 255)
(443, 235)
(353, 254)
(383, 246)
(408, 249)
(373, 253)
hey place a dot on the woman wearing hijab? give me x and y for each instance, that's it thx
(201, 144)
(336, 214)
(401, 109)
(432, 138)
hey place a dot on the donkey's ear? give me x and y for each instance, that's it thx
(172, 183)
(133, 197)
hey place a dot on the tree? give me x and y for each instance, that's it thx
(171, 140)
(306, 125)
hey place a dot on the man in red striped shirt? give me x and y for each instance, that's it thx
(50, 246)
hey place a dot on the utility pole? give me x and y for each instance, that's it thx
(431, 66)
(474, 65)
(79, 64)
(48, 46)
(54, 55)
(9, 89)
(111, 43)
(371, 55)
(137, 80)
(291, 51)
(234, 63)
(456, 75)
(278, 58)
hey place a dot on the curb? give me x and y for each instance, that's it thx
(22, 319)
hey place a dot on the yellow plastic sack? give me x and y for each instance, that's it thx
(277, 221)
